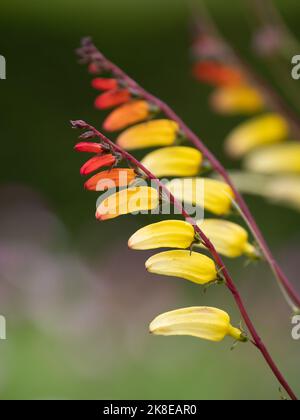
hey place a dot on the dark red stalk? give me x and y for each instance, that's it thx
(90, 54)
(257, 341)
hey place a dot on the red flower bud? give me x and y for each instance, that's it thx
(88, 147)
(102, 83)
(96, 163)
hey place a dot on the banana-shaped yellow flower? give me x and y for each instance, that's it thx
(165, 234)
(228, 238)
(286, 190)
(232, 100)
(213, 195)
(174, 161)
(260, 131)
(194, 267)
(199, 321)
(127, 201)
(280, 158)
(150, 134)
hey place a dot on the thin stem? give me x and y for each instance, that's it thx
(257, 341)
(89, 53)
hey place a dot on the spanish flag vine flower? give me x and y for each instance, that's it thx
(237, 90)
(202, 322)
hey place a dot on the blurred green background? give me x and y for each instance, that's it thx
(77, 302)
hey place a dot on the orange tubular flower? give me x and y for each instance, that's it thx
(88, 147)
(217, 74)
(104, 83)
(97, 162)
(128, 114)
(112, 98)
(118, 177)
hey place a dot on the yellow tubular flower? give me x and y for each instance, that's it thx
(215, 196)
(199, 321)
(228, 238)
(127, 201)
(232, 100)
(166, 234)
(193, 266)
(174, 161)
(266, 129)
(150, 134)
(280, 158)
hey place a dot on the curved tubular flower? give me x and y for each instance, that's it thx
(96, 163)
(104, 83)
(88, 147)
(283, 158)
(199, 321)
(128, 114)
(127, 201)
(165, 234)
(112, 98)
(235, 100)
(215, 196)
(262, 130)
(210, 247)
(192, 266)
(150, 134)
(174, 161)
(229, 239)
(117, 177)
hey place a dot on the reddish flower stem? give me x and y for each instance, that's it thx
(90, 54)
(257, 341)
